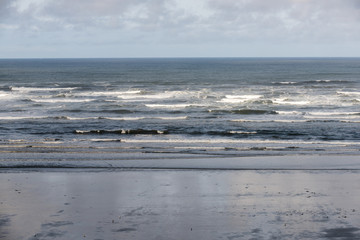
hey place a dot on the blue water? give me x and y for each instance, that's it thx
(215, 106)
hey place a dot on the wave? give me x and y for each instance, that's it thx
(286, 101)
(296, 113)
(4, 95)
(171, 106)
(142, 118)
(61, 100)
(291, 142)
(195, 132)
(245, 111)
(144, 95)
(9, 96)
(119, 94)
(122, 131)
(309, 120)
(268, 121)
(90, 118)
(111, 111)
(239, 98)
(38, 89)
(284, 83)
(348, 94)
(46, 117)
(333, 113)
(318, 81)
(21, 117)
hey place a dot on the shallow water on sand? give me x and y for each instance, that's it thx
(179, 204)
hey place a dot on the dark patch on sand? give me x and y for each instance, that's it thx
(134, 212)
(351, 233)
(125, 230)
(57, 224)
(235, 236)
(256, 230)
(4, 220)
(48, 235)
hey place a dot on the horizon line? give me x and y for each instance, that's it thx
(41, 58)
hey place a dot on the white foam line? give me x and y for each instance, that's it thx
(32, 89)
(246, 141)
(61, 100)
(111, 93)
(263, 121)
(20, 118)
(348, 93)
(289, 102)
(168, 105)
(332, 113)
(239, 98)
(332, 117)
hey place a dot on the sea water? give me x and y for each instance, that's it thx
(215, 106)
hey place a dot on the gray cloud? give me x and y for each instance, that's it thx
(6, 9)
(235, 20)
(84, 14)
(181, 22)
(303, 20)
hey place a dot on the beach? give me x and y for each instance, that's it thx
(258, 202)
(179, 148)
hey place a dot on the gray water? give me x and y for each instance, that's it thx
(219, 106)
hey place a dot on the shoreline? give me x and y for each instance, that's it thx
(173, 161)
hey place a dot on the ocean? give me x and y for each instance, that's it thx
(228, 107)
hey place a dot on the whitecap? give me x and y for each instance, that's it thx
(266, 121)
(242, 132)
(21, 117)
(172, 118)
(124, 118)
(4, 95)
(348, 94)
(61, 100)
(332, 113)
(112, 93)
(290, 113)
(168, 105)
(284, 101)
(322, 81)
(239, 98)
(287, 83)
(35, 89)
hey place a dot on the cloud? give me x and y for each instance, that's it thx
(87, 14)
(299, 20)
(180, 23)
(242, 20)
(6, 9)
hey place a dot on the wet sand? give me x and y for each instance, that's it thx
(179, 204)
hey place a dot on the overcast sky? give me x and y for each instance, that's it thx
(179, 28)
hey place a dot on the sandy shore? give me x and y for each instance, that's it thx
(179, 204)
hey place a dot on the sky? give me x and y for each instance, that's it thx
(179, 28)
